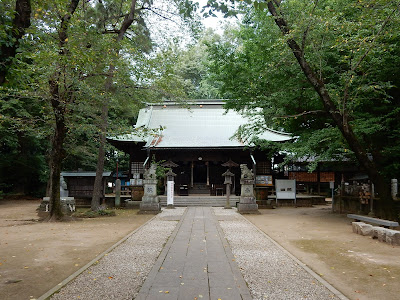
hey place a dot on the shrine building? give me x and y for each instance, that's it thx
(196, 140)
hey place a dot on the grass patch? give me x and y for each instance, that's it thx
(95, 214)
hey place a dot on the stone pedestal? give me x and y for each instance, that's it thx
(228, 195)
(247, 204)
(150, 202)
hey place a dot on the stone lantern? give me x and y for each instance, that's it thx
(231, 164)
(228, 181)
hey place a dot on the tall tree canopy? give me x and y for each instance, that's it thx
(55, 81)
(326, 71)
(187, 68)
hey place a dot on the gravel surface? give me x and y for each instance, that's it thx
(121, 272)
(269, 272)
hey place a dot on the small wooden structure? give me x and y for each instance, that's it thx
(80, 185)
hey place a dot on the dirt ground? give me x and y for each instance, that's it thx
(35, 256)
(358, 266)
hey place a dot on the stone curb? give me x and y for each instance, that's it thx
(63, 283)
(301, 264)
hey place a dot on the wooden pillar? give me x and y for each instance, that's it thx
(191, 174)
(341, 193)
(234, 183)
(130, 175)
(319, 178)
(208, 173)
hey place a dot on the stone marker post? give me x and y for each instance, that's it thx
(247, 204)
(228, 181)
(170, 189)
(118, 193)
(150, 203)
(63, 187)
(394, 188)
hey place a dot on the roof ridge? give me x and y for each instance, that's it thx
(187, 102)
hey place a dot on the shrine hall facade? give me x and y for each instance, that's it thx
(197, 142)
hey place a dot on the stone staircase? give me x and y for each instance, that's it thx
(197, 189)
(200, 200)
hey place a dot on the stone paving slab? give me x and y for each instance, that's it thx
(209, 270)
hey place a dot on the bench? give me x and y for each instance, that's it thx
(385, 223)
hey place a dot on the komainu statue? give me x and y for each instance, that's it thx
(150, 173)
(246, 172)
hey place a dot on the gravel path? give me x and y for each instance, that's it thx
(269, 271)
(120, 273)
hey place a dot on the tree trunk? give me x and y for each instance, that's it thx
(98, 182)
(98, 188)
(381, 184)
(57, 152)
(56, 161)
(59, 100)
(21, 21)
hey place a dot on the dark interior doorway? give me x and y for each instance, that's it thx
(199, 173)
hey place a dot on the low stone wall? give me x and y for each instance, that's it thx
(67, 206)
(318, 200)
(385, 235)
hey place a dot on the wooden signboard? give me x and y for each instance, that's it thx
(264, 180)
(303, 176)
(327, 176)
(312, 177)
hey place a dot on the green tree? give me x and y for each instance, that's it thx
(191, 68)
(23, 143)
(58, 81)
(121, 27)
(13, 23)
(340, 93)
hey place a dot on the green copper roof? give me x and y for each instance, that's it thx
(205, 124)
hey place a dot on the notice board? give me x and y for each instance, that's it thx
(264, 180)
(285, 189)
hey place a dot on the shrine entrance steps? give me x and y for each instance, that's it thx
(199, 188)
(200, 200)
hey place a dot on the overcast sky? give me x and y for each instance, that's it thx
(213, 22)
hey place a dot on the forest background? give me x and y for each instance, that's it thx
(326, 71)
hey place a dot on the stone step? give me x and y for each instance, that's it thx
(199, 201)
(194, 191)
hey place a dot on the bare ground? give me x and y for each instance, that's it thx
(36, 256)
(359, 266)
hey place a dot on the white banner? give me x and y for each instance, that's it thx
(170, 193)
